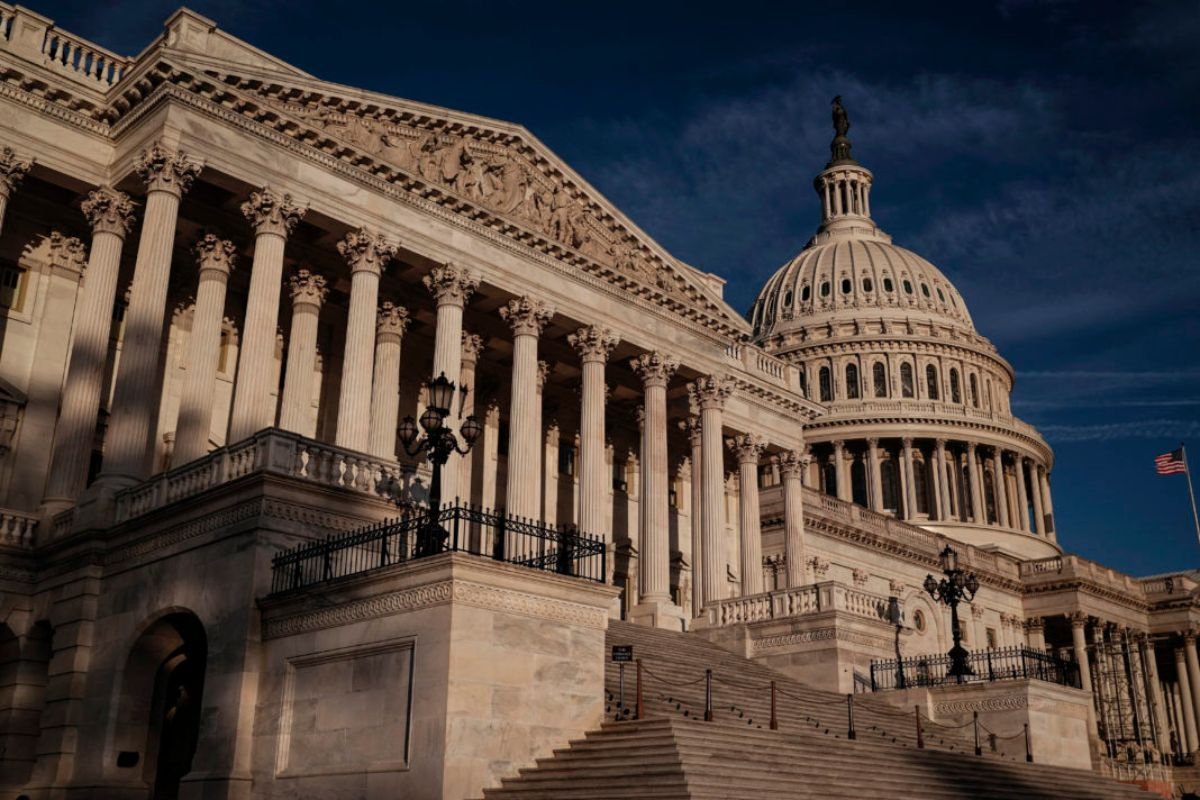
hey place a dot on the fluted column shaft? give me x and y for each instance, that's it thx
(1001, 490)
(1022, 497)
(792, 464)
(943, 483)
(844, 490)
(308, 293)
(136, 394)
(1079, 644)
(978, 511)
(594, 346)
(216, 258)
(939, 502)
(748, 449)
(655, 370)
(12, 170)
(1039, 517)
(697, 517)
(1047, 503)
(273, 216)
(709, 395)
(390, 324)
(1150, 668)
(528, 317)
(451, 287)
(875, 475)
(1193, 671)
(110, 214)
(1186, 699)
(910, 484)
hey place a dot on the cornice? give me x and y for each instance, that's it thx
(50, 108)
(1087, 587)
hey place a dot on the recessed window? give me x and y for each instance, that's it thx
(925, 289)
(805, 293)
(907, 287)
(906, 380)
(879, 378)
(973, 382)
(941, 296)
(931, 380)
(852, 381)
(826, 385)
(846, 286)
(887, 285)
(12, 287)
(955, 391)
(825, 289)
(787, 298)
(867, 285)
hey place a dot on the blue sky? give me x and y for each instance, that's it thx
(1044, 154)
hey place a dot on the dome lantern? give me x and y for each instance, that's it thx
(844, 186)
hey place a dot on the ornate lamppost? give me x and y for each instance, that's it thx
(951, 590)
(437, 444)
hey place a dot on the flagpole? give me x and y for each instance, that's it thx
(1191, 492)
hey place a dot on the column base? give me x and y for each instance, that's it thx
(658, 613)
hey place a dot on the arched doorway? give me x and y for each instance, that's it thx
(161, 695)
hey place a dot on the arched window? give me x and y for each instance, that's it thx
(829, 478)
(955, 391)
(921, 484)
(989, 497)
(906, 380)
(868, 286)
(826, 385)
(803, 382)
(932, 381)
(879, 378)
(907, 286)
(858, 482)
(852, 381)
(973, 383)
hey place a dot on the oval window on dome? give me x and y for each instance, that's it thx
(867, 285)
(887, 285)
(846, 286)
(805, 293)
(825, 289)
(941, 296)
(787, 298)
(925, 289)
(907, 287)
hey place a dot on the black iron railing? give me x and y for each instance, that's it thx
(458, 528)
(1004, 664)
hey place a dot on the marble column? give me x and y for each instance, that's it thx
(12, 170)
(308, 293)
(874, 475)
(1022, 497)
(978, 509)
(1079, 621)
(844, 490)
(451, 287)
(691, 427)
(1043, 493)
(1150, 670)
(1186, 701)
(110, 215)
(998, 485)
(748, 449)
(541, 466)
(390, 324)
(127, 443)
(709, 395)
(528, 318)
(472, 346)
(910, 483)
(594, 345)
(1193, 670)
(1035, 633)
(367, 254)
(1039, 516)
(216, 258)
(943, 482)
(552, 442)
(274, 216)
(792, 465)
(655, 607)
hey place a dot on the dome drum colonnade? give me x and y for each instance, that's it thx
(369, 387)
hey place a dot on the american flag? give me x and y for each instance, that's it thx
(1170, 463)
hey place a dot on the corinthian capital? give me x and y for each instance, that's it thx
(108, 211)
(594, 343)
(12, 170)
(67, 253)
(654, 369)
(543, 372)
(392, 320)
(527, 316)
(216, 254)
(308, 288)
(691, 428)
(272, 212)
(451, 285)
(711, 391)
(1079, 619)
(366, 252)
(472, 346)
(793, 463)
(748, 447)
(166, 170)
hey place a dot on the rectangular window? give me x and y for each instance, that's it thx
(566, 459)
(991, 638)
(13, 280)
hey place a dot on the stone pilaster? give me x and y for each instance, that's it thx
(527, 317)
(308, 293)
(367, 254)
(709, 395)
(274, 216)
(216, 259)
(1186, 702)
(12, 170)
(1035, 633)
(792, 465)
(748, 449)
(110, 215)
(390, 325)
(136, 395)
(472, 346)
(655, 607)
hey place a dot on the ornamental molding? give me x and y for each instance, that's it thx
(594, 343)
(1010, 702)
(215, 253)
(1086, 587)
(829, 634)
(834, 427)
(916, 346)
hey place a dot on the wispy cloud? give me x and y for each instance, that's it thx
(1141, 429)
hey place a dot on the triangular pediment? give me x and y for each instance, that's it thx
(494, 173)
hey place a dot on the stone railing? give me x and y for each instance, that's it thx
(764, 365)
(787, 603)
(1075, 567)
(1178, 583)
(17, 529)
(269, 451)
(35, 38)
(929, 408)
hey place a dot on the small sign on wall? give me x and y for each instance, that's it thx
(622, 653)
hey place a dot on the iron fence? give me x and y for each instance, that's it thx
(1008, 663)
(458, 528)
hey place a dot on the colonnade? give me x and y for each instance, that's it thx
(939, 479)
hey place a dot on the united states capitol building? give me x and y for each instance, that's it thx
(257, 328)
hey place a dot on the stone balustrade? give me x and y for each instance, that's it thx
(1179, 583)
(802, 600)
(1074, 567)
(269, 451)
(36, 38)
(17, 529)
(928, 408)
(761, 364)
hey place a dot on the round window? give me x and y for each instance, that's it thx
(919, 620)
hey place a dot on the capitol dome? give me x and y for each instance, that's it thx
(918, 421)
